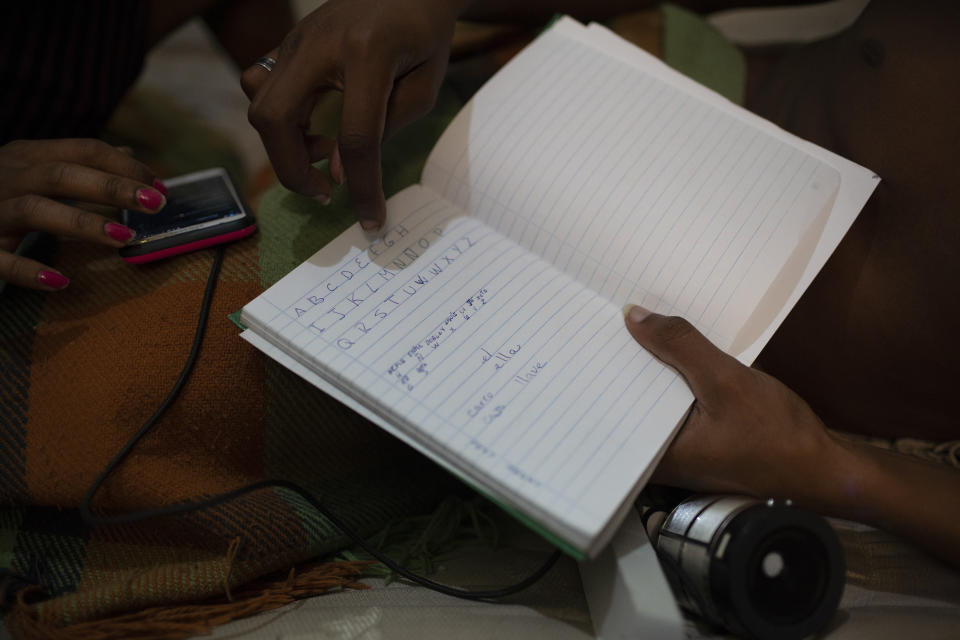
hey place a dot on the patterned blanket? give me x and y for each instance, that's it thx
(82, 370)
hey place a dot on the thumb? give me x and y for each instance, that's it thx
(676, 343)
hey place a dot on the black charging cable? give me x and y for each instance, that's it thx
(192, 506)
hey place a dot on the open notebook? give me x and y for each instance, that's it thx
(484, 325)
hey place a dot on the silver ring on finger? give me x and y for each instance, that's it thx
(266, 62)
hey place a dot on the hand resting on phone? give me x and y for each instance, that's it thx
(43, 182)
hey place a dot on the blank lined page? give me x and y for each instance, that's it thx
(631, 186)
(483, 353)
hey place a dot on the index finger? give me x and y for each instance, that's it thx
(279, 112)
(365, 97)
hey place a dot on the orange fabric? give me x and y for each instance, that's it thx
(126, 322)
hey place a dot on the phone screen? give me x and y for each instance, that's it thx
(191, 205)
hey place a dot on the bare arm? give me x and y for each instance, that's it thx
(917, 500)
(749, 434)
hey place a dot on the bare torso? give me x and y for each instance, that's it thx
(874, 344)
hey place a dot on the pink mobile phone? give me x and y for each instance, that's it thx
(203, 209)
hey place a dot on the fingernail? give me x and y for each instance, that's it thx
(634, 313)
(150, 199)
(118, 232)
(369, 225)
(159, 186)
(323, 199)
(52, 279)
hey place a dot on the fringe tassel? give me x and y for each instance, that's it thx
(177, 622)
(232, 551)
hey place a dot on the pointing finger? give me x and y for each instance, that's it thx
(366, 93)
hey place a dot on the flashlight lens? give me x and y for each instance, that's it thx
(787, 576)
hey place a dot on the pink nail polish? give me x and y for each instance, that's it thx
(52, 279)
(159, 186)
(118, 232)
(150, 199)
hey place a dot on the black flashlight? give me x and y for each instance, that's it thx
(760, 569)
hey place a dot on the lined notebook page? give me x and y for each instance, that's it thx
(635, 188)
(485, 354)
